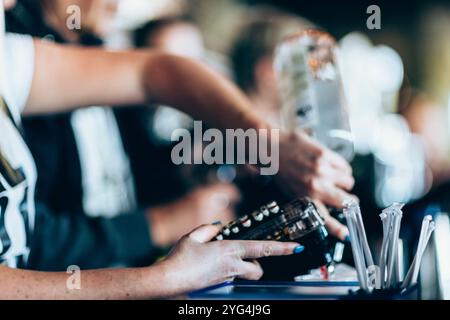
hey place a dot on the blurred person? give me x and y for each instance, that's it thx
(428, 120)
(46, 88)
(252, 62)
(99, 198)
(177, 35)
(38, 83)
(252, 57)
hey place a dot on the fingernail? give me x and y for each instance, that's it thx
(347, 238)
(217, 223)
(299, 249)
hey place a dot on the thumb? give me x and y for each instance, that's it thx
(204, 233)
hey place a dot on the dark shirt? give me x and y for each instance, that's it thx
(64, 234)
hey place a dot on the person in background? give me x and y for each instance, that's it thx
(251, 57)
(177, 35)
(104, 208)
(429, 121)
(181, 36)
(37, 81)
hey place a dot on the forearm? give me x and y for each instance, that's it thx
(70, 77)
(66, 78)
(200, 92)
(144, 283)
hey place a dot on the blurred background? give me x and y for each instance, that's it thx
(397, 86)
(401, 71)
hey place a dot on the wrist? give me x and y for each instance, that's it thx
(153, 285)
(162, 281)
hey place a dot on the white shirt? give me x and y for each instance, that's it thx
(17, 168)
(107, 180)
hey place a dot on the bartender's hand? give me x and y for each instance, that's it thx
(334, 227)
(204, 205)
(196, 263)
(309, 169)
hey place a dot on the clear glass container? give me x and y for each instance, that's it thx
(311, 90)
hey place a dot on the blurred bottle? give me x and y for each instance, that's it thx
(311, 90)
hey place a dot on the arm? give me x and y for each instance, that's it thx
(221, 260)
(67, 77)
(66, 238)
(75, 77)
(145, 283)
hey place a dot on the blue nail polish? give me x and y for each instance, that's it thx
(347, 238)
(217, 223)
(299, 249)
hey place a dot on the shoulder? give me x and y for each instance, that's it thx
(19, 70)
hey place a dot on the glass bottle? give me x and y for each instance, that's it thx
(311, 90)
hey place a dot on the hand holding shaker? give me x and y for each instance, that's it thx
(311, 90)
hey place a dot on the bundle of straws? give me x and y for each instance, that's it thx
(387, 275)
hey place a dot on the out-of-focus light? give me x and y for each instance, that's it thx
(362, 100)
(372, 77)
(167, 120)
(392, 189)
(132, 13)
(355, 40)
(385, 69)
(391, 137)
(400, 166)
(352, 56)
(226, 174)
